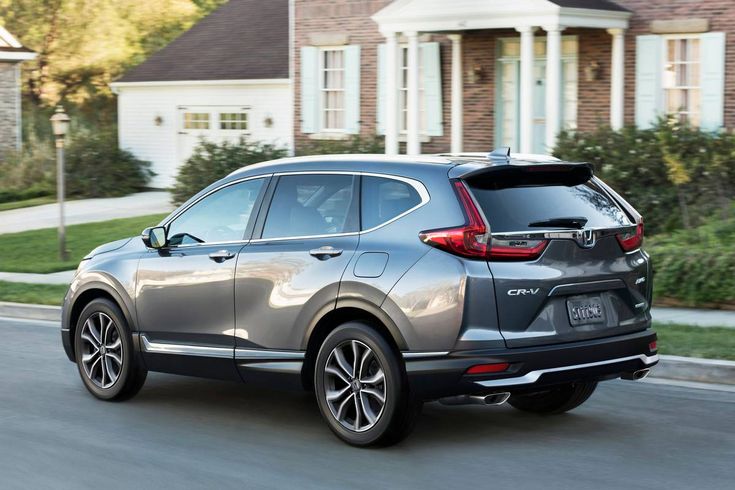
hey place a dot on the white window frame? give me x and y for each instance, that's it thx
(247, 121)
(403, 92)
(322, 92)
(665, 38)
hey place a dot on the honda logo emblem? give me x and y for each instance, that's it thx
(587, 238)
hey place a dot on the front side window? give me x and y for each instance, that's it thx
(196, 120)
(383, 199)
(309, 205)
(220, 217)
(333, 89)
(681, 80)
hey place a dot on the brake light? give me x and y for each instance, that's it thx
(488, 368)
(473, 240)
(652, 346)
(631, 241)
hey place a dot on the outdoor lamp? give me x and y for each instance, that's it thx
(60, 122)
(60, 126)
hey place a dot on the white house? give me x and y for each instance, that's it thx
(225, 78)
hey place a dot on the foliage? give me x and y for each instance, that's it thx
(37, 250)
(97, 167)
(695, 267)
(211, 161)
(693, 341)
(39, 294)
(28, 174)
(353, 145)
(675, 175)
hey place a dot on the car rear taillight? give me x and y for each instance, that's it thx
(631, 240)
(473, 239)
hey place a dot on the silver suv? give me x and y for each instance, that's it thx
(379, 283)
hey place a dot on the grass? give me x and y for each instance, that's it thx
(690, 341)
(40, 294)
(37, 250)
(27, 203)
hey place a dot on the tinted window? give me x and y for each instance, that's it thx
(305, 205)
(220, 217)
(515, 208)
(383, 199)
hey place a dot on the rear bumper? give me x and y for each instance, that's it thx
(440, 374)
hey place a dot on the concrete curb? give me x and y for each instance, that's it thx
(669, 367)
(30, 312)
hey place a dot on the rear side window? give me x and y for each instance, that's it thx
(312, 204)
(383, 199)
(515, 208)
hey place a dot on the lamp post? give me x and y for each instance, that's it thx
(60, 125)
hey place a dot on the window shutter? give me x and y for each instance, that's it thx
(712, 49)
(352, 89)
(380, 109)
(309, 89)
(648, 73)
(432, 88)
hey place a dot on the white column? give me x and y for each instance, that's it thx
(390, 110)
(553, 85)
(457, 93)
(617, 78)
(526, 88)
(413, 143)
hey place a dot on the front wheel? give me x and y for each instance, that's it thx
(558, 399)
(361, 387)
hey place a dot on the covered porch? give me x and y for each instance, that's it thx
(534, 97)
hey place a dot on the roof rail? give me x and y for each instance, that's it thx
(500, 155)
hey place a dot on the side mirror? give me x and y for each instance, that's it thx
(154, 237)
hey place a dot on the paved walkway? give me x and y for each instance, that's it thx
(63, 278)
(85, 211)
(691, 316)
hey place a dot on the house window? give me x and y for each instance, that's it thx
(233, 120)
(332, 89)
(403, 92)
(681, 78)
(196, 120)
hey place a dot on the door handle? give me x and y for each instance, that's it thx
(221, 255)
(325, 252)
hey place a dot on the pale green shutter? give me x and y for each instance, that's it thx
(309, 89)
(380, 109)
(431, 60)
(352, 89)
(648, 73)
(712, 49)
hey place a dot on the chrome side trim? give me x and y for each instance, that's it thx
(268, 355)
(533, 376)
(185, 350)
(418, 355)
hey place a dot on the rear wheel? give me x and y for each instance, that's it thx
(555, 400)
(103, 345)
(361, 387)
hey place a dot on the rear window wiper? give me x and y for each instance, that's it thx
(562, 222)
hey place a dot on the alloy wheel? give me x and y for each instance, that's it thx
(355, 385)
(102, 350)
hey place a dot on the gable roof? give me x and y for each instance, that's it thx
(242, 40)
(11, 49)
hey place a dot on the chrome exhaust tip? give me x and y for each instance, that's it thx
(491, 399)
(497, 398)
(637, 375)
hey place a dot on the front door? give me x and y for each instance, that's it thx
(216, 124)
(185, 291)
(293, 271)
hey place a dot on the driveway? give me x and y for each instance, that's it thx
(85, 211)
(190, 433)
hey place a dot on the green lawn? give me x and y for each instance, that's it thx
(37, 250)
(26, 203)
(40, 294)
(689, 341)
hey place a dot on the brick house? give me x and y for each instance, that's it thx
(12, 53)
(467, 75)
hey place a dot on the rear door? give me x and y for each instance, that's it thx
(584, 284)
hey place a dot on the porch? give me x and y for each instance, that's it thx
(536, 70)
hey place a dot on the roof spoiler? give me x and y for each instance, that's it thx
(506, 166)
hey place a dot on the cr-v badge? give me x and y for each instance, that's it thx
(523, 292)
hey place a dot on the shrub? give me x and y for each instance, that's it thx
(212, 161)
(29, 173)
(353, 145)
(97, 167)
(695, 267)
(675, 175)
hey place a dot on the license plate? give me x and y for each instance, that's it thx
(585, 311)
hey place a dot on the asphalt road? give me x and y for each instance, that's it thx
(189, 433)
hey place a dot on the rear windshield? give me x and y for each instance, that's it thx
(515, 208)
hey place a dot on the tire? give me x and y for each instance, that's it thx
(112, 371)
(555, 400)
(380, 423)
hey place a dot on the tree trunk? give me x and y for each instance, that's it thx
(683, 207)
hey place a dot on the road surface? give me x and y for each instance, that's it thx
(189, 433)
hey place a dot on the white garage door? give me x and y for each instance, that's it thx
(213, 123)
